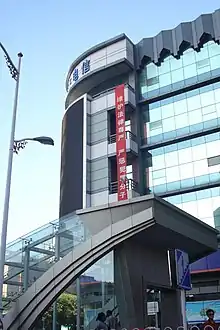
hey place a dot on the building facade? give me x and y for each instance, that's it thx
(171, 96)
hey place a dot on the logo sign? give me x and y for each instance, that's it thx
(121, 155)
(182, 270)
(82, 69)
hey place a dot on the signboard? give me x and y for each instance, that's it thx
(196, 310)
(121, 155)
(182, 270)
(79, 71)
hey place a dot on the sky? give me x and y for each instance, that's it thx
(52, 34)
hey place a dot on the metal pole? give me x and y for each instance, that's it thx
(8, 186)
(26, 268)
(57, 258)
(78, 325)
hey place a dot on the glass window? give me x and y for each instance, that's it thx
(190, 71)
(172, 174)
(202, 54)
(213, 49)
(171, 159)
(200, 167)
(189, 57)
(209, 109)
(159, 174)
(195, 117)
(186, 171)
(193, 102)
(155, 114)
(217, 94)
(167, 110)
(181, 120)
(165, 79)
(213, 148)
(158, 162)
(207, 98)
(165, 66)
(214, 62)
(185, 155)
(168, 124)
(155, 124)
(152, 70)
(176, 64)
(198, 152)
(180, 107)
(177, 75)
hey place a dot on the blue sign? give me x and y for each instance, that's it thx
(182, 270)
(86, 66)
(75, 74)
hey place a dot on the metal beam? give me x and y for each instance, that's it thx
(42, 251)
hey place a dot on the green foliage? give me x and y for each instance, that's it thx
(66, 313)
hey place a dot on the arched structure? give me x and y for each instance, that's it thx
(149, 219)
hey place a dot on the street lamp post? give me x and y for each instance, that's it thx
(15, 73)
(14, 146)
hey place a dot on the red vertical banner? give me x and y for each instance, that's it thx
(121, 156)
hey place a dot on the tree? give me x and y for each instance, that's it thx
(66, 313)
(66, 309)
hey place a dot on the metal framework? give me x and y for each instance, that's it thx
(28, 257)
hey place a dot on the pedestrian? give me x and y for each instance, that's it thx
(210, 323)
(111, 321)
(101, 325)
(1, 325)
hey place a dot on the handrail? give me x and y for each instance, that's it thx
(129, 136)
(130, 184)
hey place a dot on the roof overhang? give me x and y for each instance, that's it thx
(172, 228)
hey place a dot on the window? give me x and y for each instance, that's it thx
(212, 161)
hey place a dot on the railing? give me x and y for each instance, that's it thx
(130, 184)
(129, 135)
(39, 246)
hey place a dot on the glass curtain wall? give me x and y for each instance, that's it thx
(180, 133)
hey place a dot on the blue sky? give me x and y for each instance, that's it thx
(51, 34)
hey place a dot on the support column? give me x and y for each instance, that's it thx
(78, 304)
(57, 258)
(26, 268)
(171, 313)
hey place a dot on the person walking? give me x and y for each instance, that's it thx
(101, 325)
(111, 321)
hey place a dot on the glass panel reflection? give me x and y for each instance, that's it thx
(172, 71)
(187, 113)
(184, 164)
(204, 204)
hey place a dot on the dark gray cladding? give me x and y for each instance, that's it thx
(191, 34)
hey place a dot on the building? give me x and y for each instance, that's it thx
(140, 119)
(171, 90)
